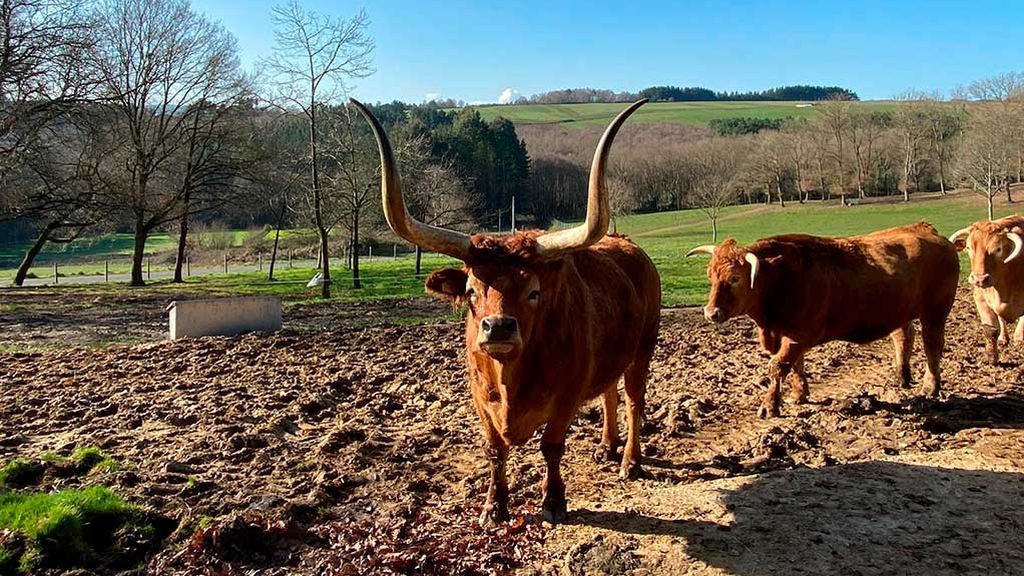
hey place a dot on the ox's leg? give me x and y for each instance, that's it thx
(496, 506)
(903, 342)
(636, 390)
(798, 382)
(1004, 333)
(778, 369)
(1018, 333)
(989, 326)
(552, 445)
(610, 433)
(933, 335)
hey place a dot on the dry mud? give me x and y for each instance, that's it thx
(356, 451)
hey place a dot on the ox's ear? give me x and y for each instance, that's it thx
(447, 284)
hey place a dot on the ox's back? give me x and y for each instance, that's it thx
(858, 288)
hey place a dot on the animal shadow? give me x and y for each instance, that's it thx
(864, 518)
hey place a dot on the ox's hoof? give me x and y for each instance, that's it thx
(630, 471)
(555, 512)
(605, 453)
(768, 412)
(493, 515)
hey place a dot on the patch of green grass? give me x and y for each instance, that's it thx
(694, 113)
(65, 528)
(20, 472)
(92, 459)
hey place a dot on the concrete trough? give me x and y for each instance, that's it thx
(224, 316)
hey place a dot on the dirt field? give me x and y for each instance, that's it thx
(356, 451)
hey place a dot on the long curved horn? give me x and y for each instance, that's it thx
(751, 259)
(705, 249)
(554, 244)
(961, 233)
(430, 238)
(1018, 244)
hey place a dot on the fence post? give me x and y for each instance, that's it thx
(289, 258)
(261, 261)
(225, 262)
(394, 247)
(188, 265)
(149, 270)
(106, 270)
(55, 272)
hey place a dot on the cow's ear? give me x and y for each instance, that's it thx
(960, 244)
(447, 284)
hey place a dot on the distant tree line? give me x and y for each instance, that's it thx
(689, 94)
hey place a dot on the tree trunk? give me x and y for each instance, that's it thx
(356, 281)
(991, 212)
(714, 230)
(179, 262)
(30, 256)
(778, 188)
(139, 254)
(273, 251)
(1009, 199)
(419, 260)
(325, 265)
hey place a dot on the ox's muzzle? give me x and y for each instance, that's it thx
(715, 314)
(980, 280)
(499, 334)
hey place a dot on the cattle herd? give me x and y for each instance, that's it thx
(555, 319)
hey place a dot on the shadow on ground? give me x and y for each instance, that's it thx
(864, 518)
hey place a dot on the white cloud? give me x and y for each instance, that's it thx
(431, 96)
(508, 95)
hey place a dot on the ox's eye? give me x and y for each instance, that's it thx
(734, 279)
(471, 294)
(533, 296)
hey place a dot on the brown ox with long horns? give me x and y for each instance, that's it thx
(803, 291)
(997, 277)
(554, 320)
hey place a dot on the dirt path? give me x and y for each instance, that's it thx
(363, 443)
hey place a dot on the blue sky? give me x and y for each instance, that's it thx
(475, 50)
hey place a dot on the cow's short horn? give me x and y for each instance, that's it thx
(961, 233)
(705, 249)
(1018, 244)
(751, 259)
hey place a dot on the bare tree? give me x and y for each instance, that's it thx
(835, 119)
(314, 55)
(985, 155)
(865, 130)
(717, 166)
(41, 68)
(943, 123)
(160, 66)
(769, 163)
(911, 124)
(435, 193)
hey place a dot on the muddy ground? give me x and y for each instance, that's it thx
(356, 451)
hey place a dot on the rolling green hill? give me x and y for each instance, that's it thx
(694, 113)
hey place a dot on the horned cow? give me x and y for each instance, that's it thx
(997, 277)
(803, 291)
(554, 320)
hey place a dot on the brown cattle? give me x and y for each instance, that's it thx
(997, 275)
(554, 320)
(803, 291)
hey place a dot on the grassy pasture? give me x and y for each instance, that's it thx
(694, 113)
(665, 236)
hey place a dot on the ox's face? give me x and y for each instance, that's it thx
(732, 272)
(987, 252)
(503, 301)
(991, 247)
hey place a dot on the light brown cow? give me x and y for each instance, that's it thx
(554, 320)
(997, 275)
(803, 291)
